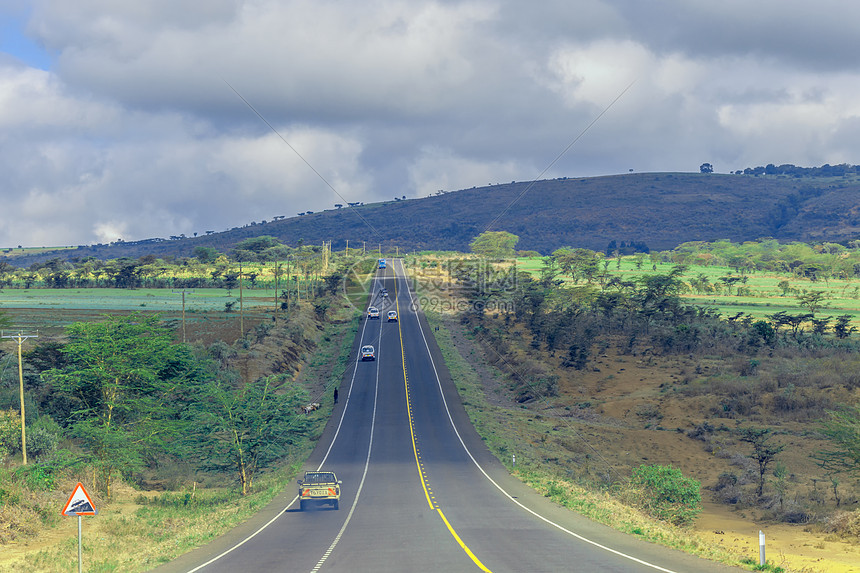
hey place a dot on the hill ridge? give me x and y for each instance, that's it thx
(660, 210)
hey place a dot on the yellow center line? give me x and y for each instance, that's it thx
(408, 404)
(418, 464)
(463, 545)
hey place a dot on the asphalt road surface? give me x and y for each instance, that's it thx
(420, 490)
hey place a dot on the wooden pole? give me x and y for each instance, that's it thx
(21, 384)
(241, 307)
(20, 338)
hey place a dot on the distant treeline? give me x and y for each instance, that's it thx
(821, 261)
(825, 170)
(259, 262)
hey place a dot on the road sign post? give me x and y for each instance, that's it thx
(79, 504)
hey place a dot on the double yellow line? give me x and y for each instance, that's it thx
(427, 491)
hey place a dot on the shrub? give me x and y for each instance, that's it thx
(10, 433)
(727, 489)
(845, 524)
(665, 493)
(41, 442)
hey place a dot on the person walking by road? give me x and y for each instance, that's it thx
(335, 395)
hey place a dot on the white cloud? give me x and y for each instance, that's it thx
(133, 132)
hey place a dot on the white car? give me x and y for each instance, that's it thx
(372, 312)
(392, 316)
(368, 353)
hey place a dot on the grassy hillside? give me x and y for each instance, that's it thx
(660, 210)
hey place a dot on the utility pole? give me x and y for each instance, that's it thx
(183, 292)
(347, 247)
(278, 268)
(326, 248)
(20, 338)
(241, 307)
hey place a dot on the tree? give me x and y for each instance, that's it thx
(813, 300)
(246, 427)
(763, 452)
(495, 244)
(578, 263)
(729, 281)
(207, 255)
(843, 328)
(253, 248)
(842, 428)
(125, 371)
(706, 168)
(660, 286)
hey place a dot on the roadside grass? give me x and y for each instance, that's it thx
(140, 532)
(326, 368)
(511, 431)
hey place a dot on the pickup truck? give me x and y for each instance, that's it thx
(319, 488)
(372, 312)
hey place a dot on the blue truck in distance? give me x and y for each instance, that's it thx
(381, 263)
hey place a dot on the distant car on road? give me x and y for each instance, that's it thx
(392, 316)
(381, 263)
(383, 292)
(318, 488)
(368, 353)
(372, 312)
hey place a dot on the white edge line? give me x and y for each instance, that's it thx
(325, 457)
(486, 475)
(366, 465)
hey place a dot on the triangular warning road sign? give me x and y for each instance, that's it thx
(79, 503)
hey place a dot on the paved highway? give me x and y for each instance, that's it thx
(420, 490)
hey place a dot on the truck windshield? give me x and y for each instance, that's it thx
(319, 478)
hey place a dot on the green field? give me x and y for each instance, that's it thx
(107, 299)
(50, 310)
(761, 294)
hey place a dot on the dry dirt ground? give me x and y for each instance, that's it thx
(623, 412)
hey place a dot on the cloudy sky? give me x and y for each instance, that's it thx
(118, 119)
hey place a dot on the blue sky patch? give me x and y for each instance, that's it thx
(14, 42)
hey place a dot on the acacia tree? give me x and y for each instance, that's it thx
(812, 300)
(124, 370)
(842, 428)
(495, 244)
(245, 427)
(763, 451)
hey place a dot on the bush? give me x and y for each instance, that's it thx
(666, 494)
(41, 442)
(845, 524)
